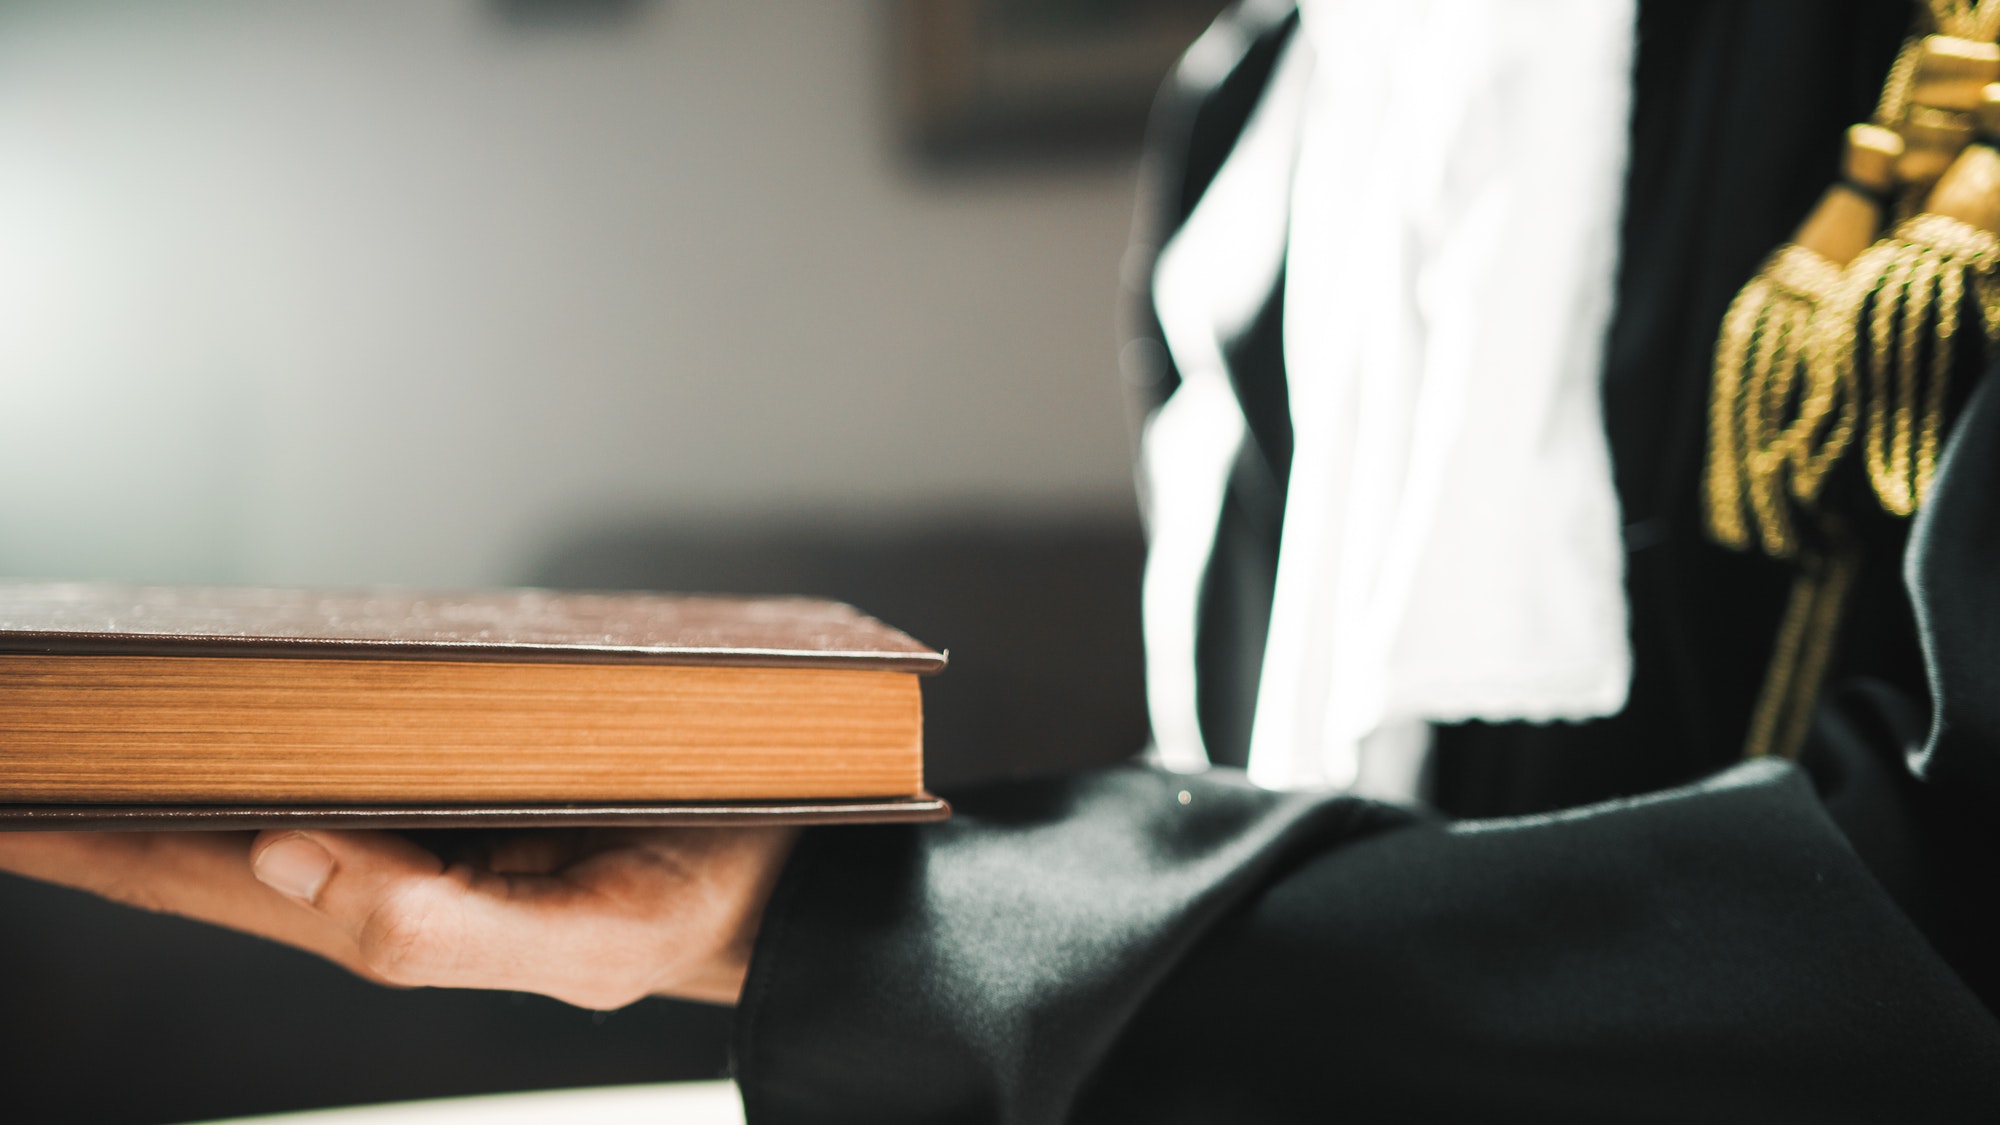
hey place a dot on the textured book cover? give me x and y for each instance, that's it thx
(125, 706)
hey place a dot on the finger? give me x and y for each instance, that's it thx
(384, 894)
(415, 921)
(412, 919)
(201, 875)
(154, 871)
(710, 886)
(534, 852)
(620, 926)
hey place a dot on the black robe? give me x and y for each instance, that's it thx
(1767, 943)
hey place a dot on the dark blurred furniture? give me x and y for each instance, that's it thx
(112, 1016)
(980, 80)
(1041, 621)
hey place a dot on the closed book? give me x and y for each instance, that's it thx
(138, 706)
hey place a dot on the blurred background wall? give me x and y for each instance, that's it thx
(373, 291)
(613, 293)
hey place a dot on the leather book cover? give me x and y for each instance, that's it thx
(521, 628)
(916, 807)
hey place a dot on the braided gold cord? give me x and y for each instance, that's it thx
(1815, 357)
(1987, 293)
(1786, 403)
(1803, 651)
(1895, 100)
(1772, 400)
(1769, 715)
(1912, 285)
(1724, 476)
(1977, 20)
(1832, 405)
(1951, 296)
(1759, 419)
(1915, 297)
(1828, 386)
(1875, 391)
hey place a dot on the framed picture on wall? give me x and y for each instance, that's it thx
(997, 78)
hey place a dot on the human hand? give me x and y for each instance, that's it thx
(598, 918)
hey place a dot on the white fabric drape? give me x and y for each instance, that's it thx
(1451, 544)
(1208, 283)
(1451, 172)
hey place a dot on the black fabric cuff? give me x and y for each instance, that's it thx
(978, 970)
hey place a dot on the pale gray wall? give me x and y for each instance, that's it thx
(357, 291)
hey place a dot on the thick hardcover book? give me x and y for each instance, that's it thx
(202, 707)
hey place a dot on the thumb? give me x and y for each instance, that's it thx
(410, 920)
(379, 889)
(650, 911)
(302, 865)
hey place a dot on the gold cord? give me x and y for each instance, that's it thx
(1782, 411)
(1895, 100)
(1819, 354)
(1905, 293)
(1803, 652)
(1978, 20)
(1777, 417)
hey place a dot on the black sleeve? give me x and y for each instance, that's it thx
(1101, 949)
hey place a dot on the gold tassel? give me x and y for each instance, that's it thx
(1760, 357)
(1897, 313)
(1787, 396)
(1896, 320)
(1777, 420)
(1835, 336)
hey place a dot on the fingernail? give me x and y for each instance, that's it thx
(294, 866)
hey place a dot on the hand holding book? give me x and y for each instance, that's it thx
(593, 917)
(673, 742)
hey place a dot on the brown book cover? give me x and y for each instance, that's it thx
(124, 706)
